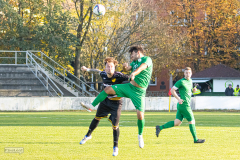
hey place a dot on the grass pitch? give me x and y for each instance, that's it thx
(56, 135)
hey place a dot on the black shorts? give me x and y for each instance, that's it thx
(110, 106)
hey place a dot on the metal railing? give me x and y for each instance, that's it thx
(18, 58)
(63, 75)
(37, 70)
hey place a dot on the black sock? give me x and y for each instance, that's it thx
(92, 126)
(115, 137)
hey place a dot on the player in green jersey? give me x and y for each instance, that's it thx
(183, 107)
(141, 68)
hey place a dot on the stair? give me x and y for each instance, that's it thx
(19, 81)
(55, 70)
(64, 88)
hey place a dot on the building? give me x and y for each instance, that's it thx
(218, 77)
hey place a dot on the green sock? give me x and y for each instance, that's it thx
(167, 125)
(193, 131)
(99, 98)
(140, 124)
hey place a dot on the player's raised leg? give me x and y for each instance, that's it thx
(101, 97)
(167, 125)
(170, 124)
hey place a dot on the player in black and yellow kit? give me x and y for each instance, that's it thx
(112, 104)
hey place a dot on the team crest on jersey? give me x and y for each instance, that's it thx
(114, 80)
(139, 60)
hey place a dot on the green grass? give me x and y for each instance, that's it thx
(56, 135)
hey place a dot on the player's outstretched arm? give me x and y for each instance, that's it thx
(83, 68)
(173, 91)
(126, 67)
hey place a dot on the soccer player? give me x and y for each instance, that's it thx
(111, 104)
(183, 107)
(141, 68)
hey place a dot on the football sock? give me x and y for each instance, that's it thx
(140, 124)
(116, 134)
(167, 125)
(92, 126)
(99, 98)
(193, 131)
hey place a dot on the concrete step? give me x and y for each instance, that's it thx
(22, 86)
(24, 93)
(14, 68)
(23, 80)
(20, 81)
(17, 74)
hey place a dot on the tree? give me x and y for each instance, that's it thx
(36, 25)
(212, 28)
(125, 24)
(84, 15)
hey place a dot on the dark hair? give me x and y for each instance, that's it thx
(111, 59)
(237, 85)
(136, 49)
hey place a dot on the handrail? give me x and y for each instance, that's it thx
(56, 71)
(77, 87)
(42, 71)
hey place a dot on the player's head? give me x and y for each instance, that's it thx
(188, 72)
(136, 52)
(237, 86)
(110, 64)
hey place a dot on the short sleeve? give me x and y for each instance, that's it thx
(178, 84)
(147, 61)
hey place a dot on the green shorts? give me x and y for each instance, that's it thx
(137, 95)
(184, 111)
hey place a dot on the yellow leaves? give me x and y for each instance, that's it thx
(70, 69)
(172, 72)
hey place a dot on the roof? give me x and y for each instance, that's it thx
(219, 71)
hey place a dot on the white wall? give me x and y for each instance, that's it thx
(219, 84)
(38, 104)
(152, 103)
(73, 103)
(215, 102)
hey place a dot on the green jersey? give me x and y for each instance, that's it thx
(185, 90)
(144, 77)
